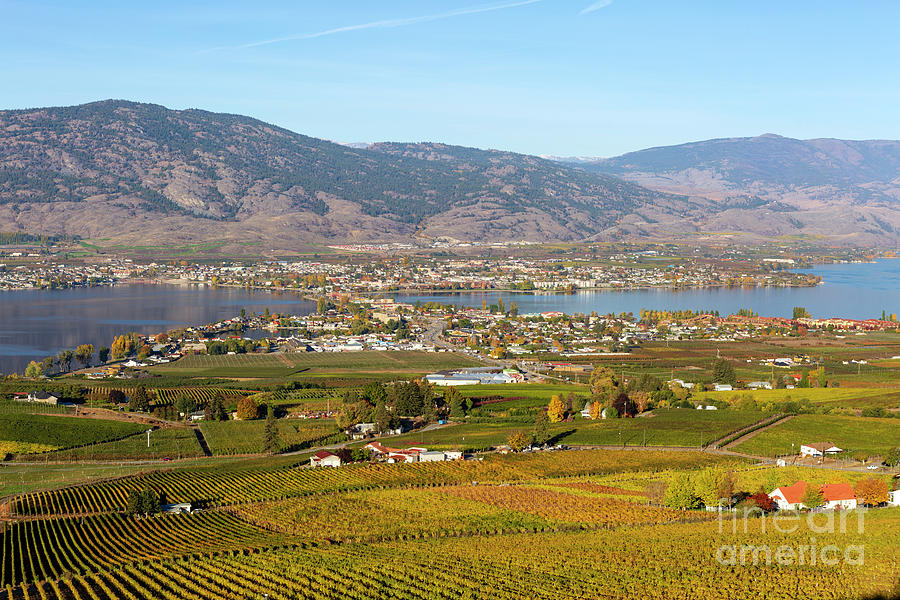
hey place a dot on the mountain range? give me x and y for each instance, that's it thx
(131, 174)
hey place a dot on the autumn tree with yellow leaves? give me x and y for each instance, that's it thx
(556, 410)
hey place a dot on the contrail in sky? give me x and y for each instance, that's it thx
(389, 23)
(596, 6)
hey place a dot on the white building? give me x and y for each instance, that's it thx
(839, 496)
(819, 449)
(789, 497)
(323, 458)
(894, 498)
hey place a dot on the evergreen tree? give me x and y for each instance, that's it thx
(215, 409)
(270, 434)
(723, 372)
(149, 502)
(384, 421)
(540, 434)
(140, 400)
(457, 406)
(134, 503)
(408, 399)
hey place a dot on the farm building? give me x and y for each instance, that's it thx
(42, 397)
(838, 495)
(759, 385)
(474, 376)
(834, 496)
(176, 509)
(789, 497)
(361, 431)
(819, 449)
(323, 458)
(894, 498)
(411, 454)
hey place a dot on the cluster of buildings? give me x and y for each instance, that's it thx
(835, 496)
(53, 276)
(475, 376)
(382, 453)
(373, 274)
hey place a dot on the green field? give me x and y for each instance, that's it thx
(852, 434)
(668, 427)
(857, 398)
(313, 363)
(173, 443)
(24, 477)
(62, 432)
(246, 437)
(8, 407)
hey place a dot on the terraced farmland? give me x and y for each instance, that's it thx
(677, 561)
(52, 548)
(212, 487)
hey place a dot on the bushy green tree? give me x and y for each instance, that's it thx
(681, 493)
(142, 502)
(812, 497)
(34, 369)
(185, 405)
(892, 457)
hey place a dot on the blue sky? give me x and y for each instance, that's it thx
(539, 76)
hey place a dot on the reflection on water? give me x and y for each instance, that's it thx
(857, 291)
(39, 323)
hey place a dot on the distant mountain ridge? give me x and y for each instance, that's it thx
(131, 173)
(833, 187)
(140, 171)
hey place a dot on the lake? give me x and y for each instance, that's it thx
(856, 291)
(39, 323)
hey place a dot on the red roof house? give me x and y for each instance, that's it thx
(323, 458)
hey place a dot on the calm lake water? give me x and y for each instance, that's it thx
(39, 323)
(856, 291)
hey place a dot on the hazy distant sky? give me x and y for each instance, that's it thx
(565, 77)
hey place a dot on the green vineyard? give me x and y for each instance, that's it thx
(246, 437)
